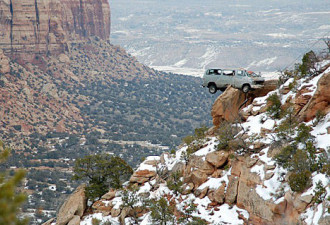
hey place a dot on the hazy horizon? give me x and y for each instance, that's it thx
(193, 35)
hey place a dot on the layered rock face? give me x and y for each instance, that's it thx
(320, 100)
(33, 27)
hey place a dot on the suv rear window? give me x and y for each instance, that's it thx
(214, 71)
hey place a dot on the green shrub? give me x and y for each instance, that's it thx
(188, 140)
(162, 212)
(193, 148)
(226, 134)
(319, 116)
(198, 135)
(200, 132)
(102, 172)
(11, 199)
(293, 85)
(304, 135)
(274, 109)
(300, 161)
(326, 168)
(96, 221)
(299, 181)
(308, 64)
(175, 182)
(172, 151)
(287, 127)
(319, 193)
(187, 217)
(285, 156)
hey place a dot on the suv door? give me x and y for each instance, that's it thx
(227, 78)
(240, 78)
(213, 75)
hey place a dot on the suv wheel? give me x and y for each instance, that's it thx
(212, 88)
(246, 88)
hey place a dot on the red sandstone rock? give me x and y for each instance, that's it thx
(226, 106)
(320, 100)
(47, 27)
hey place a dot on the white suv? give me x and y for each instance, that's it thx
(219, 79)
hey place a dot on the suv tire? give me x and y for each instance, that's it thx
(246, 88)
(212, 88)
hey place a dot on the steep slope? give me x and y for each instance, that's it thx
(242, 179)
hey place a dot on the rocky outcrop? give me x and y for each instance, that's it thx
(227, 105)
(320, 101)
(218, 158)
(73, 208)
(36, 27)
(142, 176)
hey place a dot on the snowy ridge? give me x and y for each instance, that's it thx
(268, 178)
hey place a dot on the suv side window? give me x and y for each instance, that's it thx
(240, 73)
(214, 72)
(229, 72)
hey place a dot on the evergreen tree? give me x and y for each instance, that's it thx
(10, 200)
(162, 213)
(102, 173)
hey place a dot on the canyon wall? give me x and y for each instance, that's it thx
(38, 27)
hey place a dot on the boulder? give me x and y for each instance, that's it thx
(269, 175)
(124, 213)
(115, 212)
(75, 205)
(102, 207)
(207, 168)
(75, 220)
(219, 194)
(248, 199)
(195, 162)
(151, 162)
(179, 166)
(142, 176)
(217, 173)
(109, 195)
(187, 188)
(231, 192)
(270, 167)
(201, 193)
(196, 177)
(299, 202)
(250, 162)
(217, 158)
(280, 208)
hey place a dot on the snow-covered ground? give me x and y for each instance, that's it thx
(269, 188)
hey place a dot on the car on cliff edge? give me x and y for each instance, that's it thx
(220, 79)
